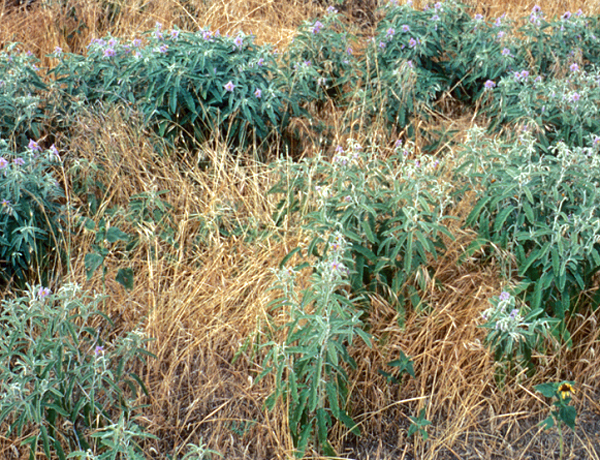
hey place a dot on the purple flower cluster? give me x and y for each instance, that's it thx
(317, 27)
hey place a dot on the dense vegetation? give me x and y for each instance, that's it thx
(194, 222)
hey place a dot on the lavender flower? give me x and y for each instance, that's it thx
(109, 52)
(260, 62)
(331, 10)
(98, 350)
(575, 97)
(163, 48)
(258, 93)
(405, 28)
(412, 43)
(43, 292)
(175, 34)
(229, 86)
(500, 35)
(58, 51)
(19, 161)
(317, 27)
(505, 52)
(5, 203)
(239, 41)
(574, 67)
(137, 43)
(490, 84)
(382, 45)
(33, 145)
(349, 50)
(3, 163)
(410, 64)
(504, 296)
(390, 33)
(435, 17)
(566, 16)
(479, 17)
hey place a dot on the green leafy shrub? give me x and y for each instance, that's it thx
(61, 382)
(543, 209)
(482, 53)
(188, 85)
(405, 64)
(320, 62)
(555, 109)
(391, 211)
(21, 96)
(515, 331)
(310, 366)
(30, 210)
(550, 45)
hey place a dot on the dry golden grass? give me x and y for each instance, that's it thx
(203, 297)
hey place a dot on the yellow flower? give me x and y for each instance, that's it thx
(565, 390)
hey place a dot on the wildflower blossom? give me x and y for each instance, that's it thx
(405, 28)
(349, 50)
(504, 296)
(390, 33)
(317, 27)
(238, 42)
(258, 93)
(175, 34)
(536, 9)
(260, 62)
(566, 16)
(43, 292)
(410, 64)
(412, 43)
(500, 35)
(479, 17)
(3, 163)
(163, 48)
(339, 150)
(398, 143)
(596, 141)
(58, 51)
(574, 67)
(490, 84)
(498, 22)
(331, 10)
(575, 97)
(382, 45)
(112, 43)
(98, 350)
(565, 390)
(505, 52)
(438, 6)
(137, 43)
(435, 17)
(229, 86)
(19, 161)
(109, 52)
(33, 145)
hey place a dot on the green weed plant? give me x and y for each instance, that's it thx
(63, 385)
(542, 209)
(31, 229)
